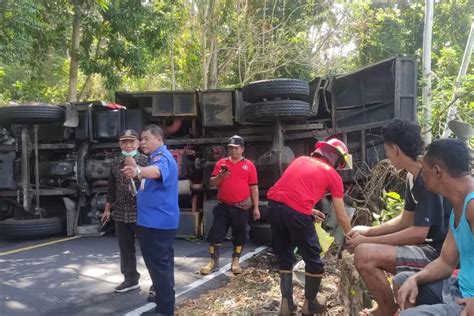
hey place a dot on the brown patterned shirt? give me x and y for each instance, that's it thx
(124, 206)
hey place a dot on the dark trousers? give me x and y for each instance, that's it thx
(226, 216)
(157, 247)
(125, 233)
(292, 229)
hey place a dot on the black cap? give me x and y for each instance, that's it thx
(129, 134)
(236, 140)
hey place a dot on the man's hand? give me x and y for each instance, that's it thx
(223, 173)
(318, 215)
(105, 217)
(408, 291)
(356, 240)
(360, 229)
(256, 214)
(216, 180)
(129, 161)
(129, 172)
(469, 309)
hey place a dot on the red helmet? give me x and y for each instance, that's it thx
(341, 149)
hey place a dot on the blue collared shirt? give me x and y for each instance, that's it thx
(157, 199)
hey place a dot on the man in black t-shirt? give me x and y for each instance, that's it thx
(412, 239)
(430, 210)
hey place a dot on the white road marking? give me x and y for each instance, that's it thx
(195, 284)
(145, 308)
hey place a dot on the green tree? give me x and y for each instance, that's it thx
(243, 41)
(189, 44)
(396, 28)
(32, 50)
(123, 41)
(44, 45)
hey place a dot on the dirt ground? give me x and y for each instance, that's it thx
(257, 291)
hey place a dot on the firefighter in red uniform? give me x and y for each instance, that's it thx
(291, 216)
(236, 181)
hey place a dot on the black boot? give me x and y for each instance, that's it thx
(287, 306)
(235, 266)
(312, 303)
(213, 263)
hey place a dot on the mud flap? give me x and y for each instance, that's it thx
(72, 117)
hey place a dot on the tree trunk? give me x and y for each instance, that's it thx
(239, 45)
(205, 24)
(213, 67)
(74, 64)
(426, 61)
(204, 60)
(171, 52)
(173, 74)
(352, 289)
(86, 87)
(212, 77)
(209, 62)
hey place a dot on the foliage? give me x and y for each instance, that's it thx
(393, 206)
(31, 49)
(190, 44)
(273, 42)
(121, 40)
(397, 28)
(443, 92)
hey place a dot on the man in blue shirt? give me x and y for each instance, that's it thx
(158, 213)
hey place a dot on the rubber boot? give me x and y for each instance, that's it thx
(235, 266)
(287, 305)
(312, 303)
(213, 263)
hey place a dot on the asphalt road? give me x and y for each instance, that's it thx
(60, 276)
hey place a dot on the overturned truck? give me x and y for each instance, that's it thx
(54, 160)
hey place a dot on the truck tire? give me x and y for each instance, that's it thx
(292, 89)
(32, 227)
(31, 114)
(283, 110)
(261, 233)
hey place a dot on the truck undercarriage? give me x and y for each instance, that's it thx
(54, 160)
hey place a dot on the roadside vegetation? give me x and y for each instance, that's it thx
(68, 50)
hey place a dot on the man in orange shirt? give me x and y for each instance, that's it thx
(291, 216)
(237, 192)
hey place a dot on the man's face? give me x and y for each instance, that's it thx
(129, 145)
(431, 175)
(235, 152)
(149, 143)
(392, 153)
